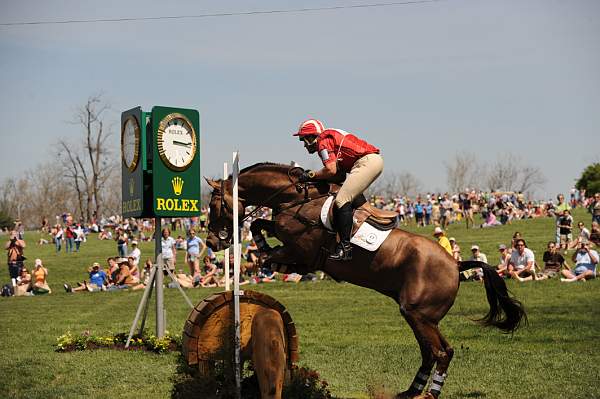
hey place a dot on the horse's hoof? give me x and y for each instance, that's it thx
(409, 395)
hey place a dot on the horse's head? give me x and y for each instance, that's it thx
(220, 222)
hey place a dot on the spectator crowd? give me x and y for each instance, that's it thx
(190, 263)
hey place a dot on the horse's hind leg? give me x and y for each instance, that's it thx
(434, 350)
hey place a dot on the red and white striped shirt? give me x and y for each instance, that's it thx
(335, 145)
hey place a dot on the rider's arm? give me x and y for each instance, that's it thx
(327, 172)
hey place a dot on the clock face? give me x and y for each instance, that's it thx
(130, 143)
(176, 141)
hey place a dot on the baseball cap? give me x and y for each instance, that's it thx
(502, 246)
(96, 264)
(122, 260)
(134, 242)
(438, 230)
(452, 239)
(474, 247)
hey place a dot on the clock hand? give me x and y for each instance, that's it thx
(181, 143)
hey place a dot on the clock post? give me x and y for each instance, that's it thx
(161, 178)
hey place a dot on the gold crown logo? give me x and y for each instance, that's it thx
(131, 187)
(177, 183)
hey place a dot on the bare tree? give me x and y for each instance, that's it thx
(74, 170)
(408, 184)
(392, 183)
(510, 173)
(531, 178)
(463, 171)
(89, 167)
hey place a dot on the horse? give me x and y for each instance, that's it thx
(413, 270)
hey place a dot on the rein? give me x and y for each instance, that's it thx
(224, 235)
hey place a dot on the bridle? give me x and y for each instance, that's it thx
(224, 235)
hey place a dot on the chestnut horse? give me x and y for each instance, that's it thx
(413, 270)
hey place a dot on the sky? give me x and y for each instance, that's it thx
(423, 82)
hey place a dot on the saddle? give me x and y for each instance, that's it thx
(365, 212)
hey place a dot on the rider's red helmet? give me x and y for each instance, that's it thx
(309, 128)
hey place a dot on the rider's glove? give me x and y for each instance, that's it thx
(307, 175)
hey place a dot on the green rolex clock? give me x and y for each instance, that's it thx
(130, 143)
(176, 141)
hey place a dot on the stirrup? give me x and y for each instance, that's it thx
(343, 252)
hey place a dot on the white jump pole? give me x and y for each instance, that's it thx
(236, 272)
(227, 265)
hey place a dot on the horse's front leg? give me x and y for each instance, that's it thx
(257, 227)
(283, 260)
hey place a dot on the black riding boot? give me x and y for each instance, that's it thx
(343, 224)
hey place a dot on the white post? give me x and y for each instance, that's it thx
(227, 266)
(236, 272)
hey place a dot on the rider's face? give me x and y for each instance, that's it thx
(310, 143)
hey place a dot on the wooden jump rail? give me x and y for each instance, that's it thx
(208, 331)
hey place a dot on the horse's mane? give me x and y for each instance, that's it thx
(265, 164)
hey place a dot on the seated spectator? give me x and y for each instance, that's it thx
(583, 237)
(595, 234)
(553, 262)
(183, 280)
(180, 243)
(133, 269)
(477, 255)
(124, 279)
(490, 220)
(39, 285)
(476, 273)
(513, 243)
(98, 281)
(521, 265)
(113, 270)
(503, 262)
(105, 234)
(23, 286)
(438, 233)
(209, 279)
(145, 278)
(586, 260)
(455, 249)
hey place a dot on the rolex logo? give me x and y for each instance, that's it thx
(131, 187)
(177, 183)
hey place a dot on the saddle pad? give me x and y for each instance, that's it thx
(367, 236)
(325, 218)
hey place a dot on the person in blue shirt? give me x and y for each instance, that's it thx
(195, 248)
(98, 279)
(419, 212)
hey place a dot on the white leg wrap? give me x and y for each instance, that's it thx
(437, 382)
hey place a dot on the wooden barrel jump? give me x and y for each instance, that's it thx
(208, 332)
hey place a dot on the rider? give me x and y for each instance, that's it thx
(340, 150)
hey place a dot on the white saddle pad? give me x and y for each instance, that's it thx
(367, 236)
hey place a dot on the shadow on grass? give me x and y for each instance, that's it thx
(474, 394)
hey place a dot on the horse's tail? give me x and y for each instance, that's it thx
(506, 312)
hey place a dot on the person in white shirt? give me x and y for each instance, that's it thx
(168, 248)
(521, 265)
(586, 260)
(582, 238)
(135, 253)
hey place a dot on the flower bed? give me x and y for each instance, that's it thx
(69, 342)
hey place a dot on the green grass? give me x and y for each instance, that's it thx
(353, 336)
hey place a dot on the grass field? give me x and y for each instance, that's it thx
(354, 337)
